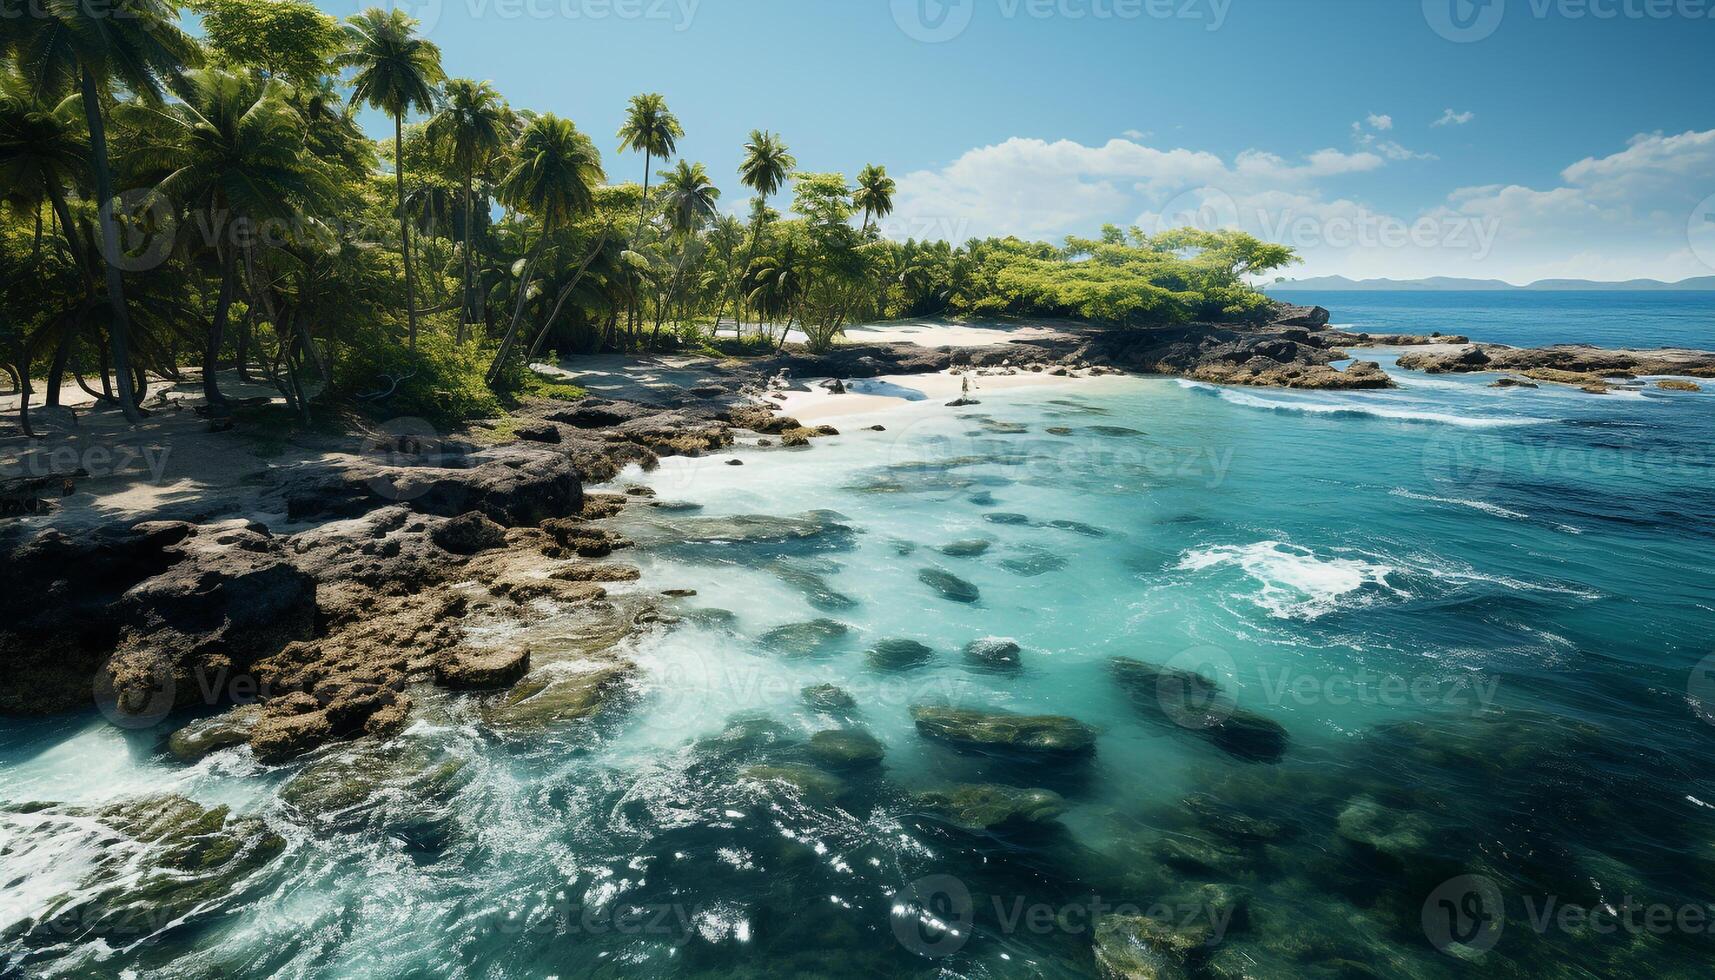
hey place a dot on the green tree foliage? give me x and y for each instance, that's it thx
(262, 233)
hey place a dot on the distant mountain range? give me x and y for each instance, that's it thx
(1443, 283)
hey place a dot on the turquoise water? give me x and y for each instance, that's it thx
(1530, 319)
(1476, 613)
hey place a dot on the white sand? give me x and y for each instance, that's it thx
(942, 333)
(868, 396)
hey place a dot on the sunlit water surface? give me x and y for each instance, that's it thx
(1476, 613)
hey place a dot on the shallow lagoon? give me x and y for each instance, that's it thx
(1475, 613)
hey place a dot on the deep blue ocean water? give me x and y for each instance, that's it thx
(1479, 618)
(1529, 319)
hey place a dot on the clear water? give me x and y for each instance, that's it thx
(1476, 613)
(1530, 319)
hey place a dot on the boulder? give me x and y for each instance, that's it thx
(230, 597)
(899, 654)
(1199, 705)
(468, 534)
(480, 670)
(561, 692)
(967, 548)
(950, 586)
(846, 748)
(1049, 735)
(804, 639)
(222, 731)
(518, 484)
(828, 698)
(1313, 317)
(993, 653)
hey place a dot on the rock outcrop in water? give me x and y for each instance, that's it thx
(999, 731)
(987, 806)
(134, 869)
(1564, 363)
(1198, 705)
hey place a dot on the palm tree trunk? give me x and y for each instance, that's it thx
(120, 327)
(560, 301)
(518, 308)
(465, 312)
(738, 283)
(222, 306)
(404, 226)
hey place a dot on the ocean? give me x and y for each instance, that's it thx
(1454, 644)
(1529, 319)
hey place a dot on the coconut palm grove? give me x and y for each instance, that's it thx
(255, 224)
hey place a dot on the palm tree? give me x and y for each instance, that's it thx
(396, 71)
(555, 178)
(75, 44)
(875, 193)
(42, 152)
(766, 164)
(233, 149)
(471, 127)
(652, 129)
(690, 204)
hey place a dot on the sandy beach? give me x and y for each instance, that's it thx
(868, 396)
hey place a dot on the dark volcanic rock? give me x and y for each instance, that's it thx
(517, 484)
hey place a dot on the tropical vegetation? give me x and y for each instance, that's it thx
(170, 202)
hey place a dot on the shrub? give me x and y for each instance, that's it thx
(441, 381)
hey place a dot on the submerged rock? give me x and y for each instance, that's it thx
(813, 587)
(828, 697)
(804, 639)
(562, 692)
(1111, 431)
(143, 866)
(982, 498)
(997, 730)
(1034, 562)
(206, 735)
(1198, 705)
(986, 806)
(968, 548)
(993, 652)
(1019, 520)
(899, 654)
(811, 784)
(846, 748)
(1135, 947)
(949, 585)
(1396, 833)
(1078, 527)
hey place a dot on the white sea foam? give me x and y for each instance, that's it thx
(1482, 505)
(1373, 410)
(1296, 582)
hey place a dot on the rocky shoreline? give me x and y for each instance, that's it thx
(327, 621)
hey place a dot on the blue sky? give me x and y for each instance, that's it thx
(1546, 138)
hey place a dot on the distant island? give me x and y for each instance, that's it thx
(1449, 284)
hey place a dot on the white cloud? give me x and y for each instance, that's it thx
(1621, 215)
(1451, 118)
(1135, 135)
(1380, 122)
